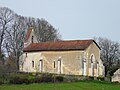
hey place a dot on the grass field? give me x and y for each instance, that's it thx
(82, 85)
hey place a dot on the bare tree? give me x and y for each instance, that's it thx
(46, 32)
(110, 53)
(12, 31)
(6, 18)
(15, 41)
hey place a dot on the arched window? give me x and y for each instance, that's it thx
(91, 61)
(33, 64)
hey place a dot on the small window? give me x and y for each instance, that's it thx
(26, 54)
(54, 64)
(32, 39)
(32, 63)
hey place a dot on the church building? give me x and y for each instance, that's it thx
(72, 57)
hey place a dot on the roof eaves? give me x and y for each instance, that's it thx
(53, 50)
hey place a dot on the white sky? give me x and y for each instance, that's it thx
(75, 19)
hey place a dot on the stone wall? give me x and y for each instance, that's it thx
(116, 76)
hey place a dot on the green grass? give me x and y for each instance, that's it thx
(82, 85)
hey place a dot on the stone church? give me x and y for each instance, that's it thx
(73, 57)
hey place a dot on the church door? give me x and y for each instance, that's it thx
(84, 68)
(40, 65)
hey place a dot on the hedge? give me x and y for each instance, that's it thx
(27, 78)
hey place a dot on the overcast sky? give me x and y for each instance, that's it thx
(75, 19)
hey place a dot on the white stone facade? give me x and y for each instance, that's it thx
(75, 62)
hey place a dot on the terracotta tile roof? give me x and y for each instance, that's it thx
(59, 45)
(28, 34)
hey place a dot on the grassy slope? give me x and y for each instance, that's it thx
(84, 85)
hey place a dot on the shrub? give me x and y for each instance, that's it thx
(59, 79)
(1, 81)
(47, 78)
(70, 78)
(91, 78)
(100, 78)
(37, 79)
(19, 80)
(116, 82)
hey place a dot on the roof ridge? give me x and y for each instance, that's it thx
(67, 41)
